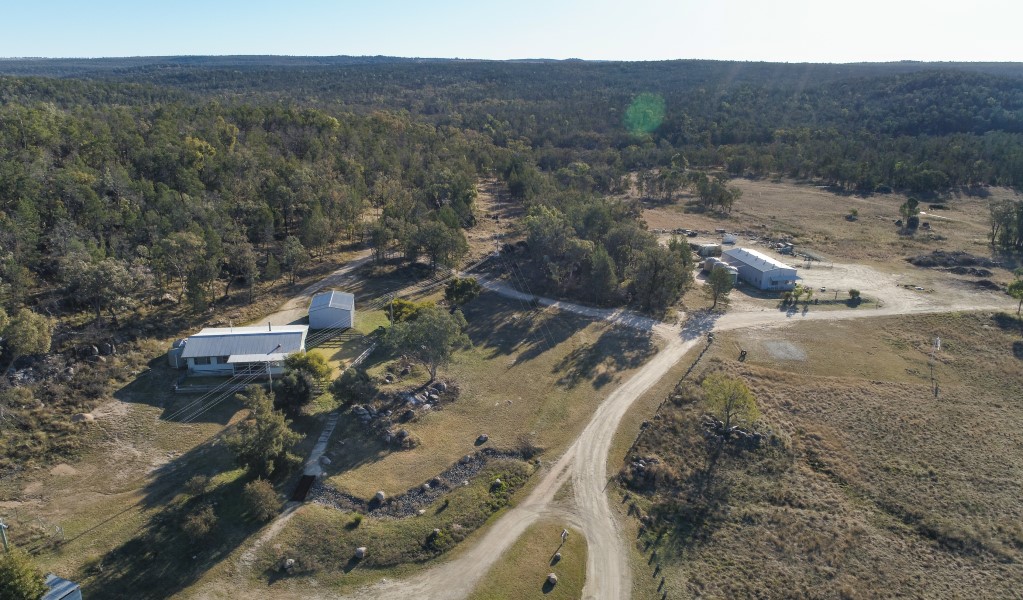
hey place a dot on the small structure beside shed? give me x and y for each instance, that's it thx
(708, 249)
(332, 310)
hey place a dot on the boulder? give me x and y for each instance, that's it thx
(440, 386)
(552, 579)
(380, 496)
(360, 552)
(288, 565)
(83, 418)
(482, 439)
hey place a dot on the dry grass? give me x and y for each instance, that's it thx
(886, 491)
(815, 217)
(532, 376)
(522, 570)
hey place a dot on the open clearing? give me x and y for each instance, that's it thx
(815, 218)
(887, 485)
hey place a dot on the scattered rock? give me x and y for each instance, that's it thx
(440, 386)
(83, 418)
(482, 439)
(360, 552)
(421, 512)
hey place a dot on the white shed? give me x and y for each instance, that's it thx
(332, 310)
(760, 270)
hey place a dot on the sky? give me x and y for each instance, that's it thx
(756, 30)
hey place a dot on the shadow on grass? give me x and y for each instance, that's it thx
(162, 559)
(503, 327)
(615, 350)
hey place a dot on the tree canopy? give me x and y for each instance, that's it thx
(262, 442)
(431, 338)
(19, 578)
(730, 400)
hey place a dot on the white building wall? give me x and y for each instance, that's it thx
(331, 318)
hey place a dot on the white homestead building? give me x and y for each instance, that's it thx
(332, 310)
(242, 350)
(760, 270)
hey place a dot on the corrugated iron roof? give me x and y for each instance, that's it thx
(59, 587)
(755, 259)
(228, 341)
(332, 299)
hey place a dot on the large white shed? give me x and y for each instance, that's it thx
(332, 310)
(760, 270)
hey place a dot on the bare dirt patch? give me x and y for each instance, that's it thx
(63, 469)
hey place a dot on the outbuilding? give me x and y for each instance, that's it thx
(760, 270)
(243, 350)
(332, 310)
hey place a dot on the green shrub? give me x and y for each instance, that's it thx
(261, 500)
(199, 524)
(198, 485)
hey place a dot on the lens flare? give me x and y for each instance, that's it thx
(645, 114)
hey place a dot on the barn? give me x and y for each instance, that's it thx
(760, 270)
(332, 310)
(242, 350)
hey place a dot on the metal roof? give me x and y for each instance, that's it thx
(232, 341)
(252, 358)
(59, 588)
(332, 299)
(755, 259)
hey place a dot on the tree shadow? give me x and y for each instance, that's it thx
(503, 327)
(615, 350)
(700, 324)
(161, 559)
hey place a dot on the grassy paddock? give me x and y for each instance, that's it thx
(816, 219)
(532, 377)
(522, 570)
(881, 485)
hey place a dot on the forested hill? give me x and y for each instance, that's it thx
(925, 128)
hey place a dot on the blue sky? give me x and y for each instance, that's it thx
(771, 30)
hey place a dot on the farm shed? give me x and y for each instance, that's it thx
(332, 310)
(760, 270)
(243, 350)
